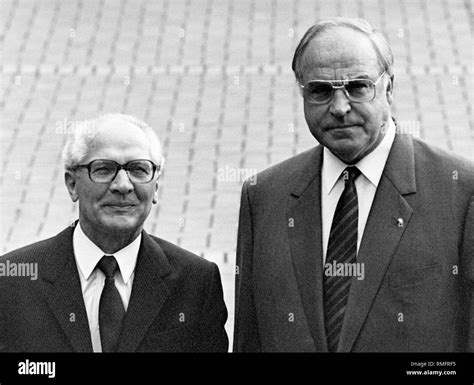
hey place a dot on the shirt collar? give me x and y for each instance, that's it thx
(371, 166)
(88, 254)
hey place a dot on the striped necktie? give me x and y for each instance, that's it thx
(342, 248)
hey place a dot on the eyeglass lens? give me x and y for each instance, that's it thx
(321, 91)
(139, 171)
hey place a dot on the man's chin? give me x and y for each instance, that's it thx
(121, 225)
(347, 152)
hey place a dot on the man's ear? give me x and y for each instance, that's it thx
(70, 181)
(155, 193)
(389, 90)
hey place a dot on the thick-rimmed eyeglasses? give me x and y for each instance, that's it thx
(356, 90)
(105, 171)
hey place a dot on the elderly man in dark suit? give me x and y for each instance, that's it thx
(104, 284)
(364, 242)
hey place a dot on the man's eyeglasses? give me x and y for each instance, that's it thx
(105, 171)
(356, 90)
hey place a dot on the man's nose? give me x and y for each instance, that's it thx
(122, 183)
(340, 104)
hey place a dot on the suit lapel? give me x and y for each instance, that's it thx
(64, 294)
(387, 221)
(306, 245)
(149, 292)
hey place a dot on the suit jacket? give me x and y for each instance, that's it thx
(176, 304)
(417, 294)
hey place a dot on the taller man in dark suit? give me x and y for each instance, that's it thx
(364, 242)
(104, 284)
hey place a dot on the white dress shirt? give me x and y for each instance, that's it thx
(332, 185)
(87, 255)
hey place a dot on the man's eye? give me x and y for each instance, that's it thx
(139, 170)
(319, 89)
(102, 170)
(357, 86)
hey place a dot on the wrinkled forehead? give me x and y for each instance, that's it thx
(119, 140)
(340, 53)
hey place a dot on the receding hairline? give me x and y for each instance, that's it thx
(144, 128)
(87, 131)
(124, 131)
(325, 36)
(378, 42)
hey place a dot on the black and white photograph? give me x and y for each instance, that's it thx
(232, 183)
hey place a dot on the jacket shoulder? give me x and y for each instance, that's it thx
(431, 159)
(37, 250)
(179, 256)
(285, 172)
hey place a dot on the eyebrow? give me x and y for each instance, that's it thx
(363, 76)
(359, 76)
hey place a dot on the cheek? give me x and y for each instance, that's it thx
(314, 115)
(145, 195)
(375, 116)
(90, 198)
(90, 193)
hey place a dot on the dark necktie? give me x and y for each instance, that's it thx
(342, 248)
(111, 309)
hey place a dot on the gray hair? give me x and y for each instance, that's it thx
(381, 47)
(83, 133)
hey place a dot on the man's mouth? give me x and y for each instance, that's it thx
(120, 205)
(344, 127)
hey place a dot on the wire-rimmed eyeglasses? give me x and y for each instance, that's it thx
(356, 90)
